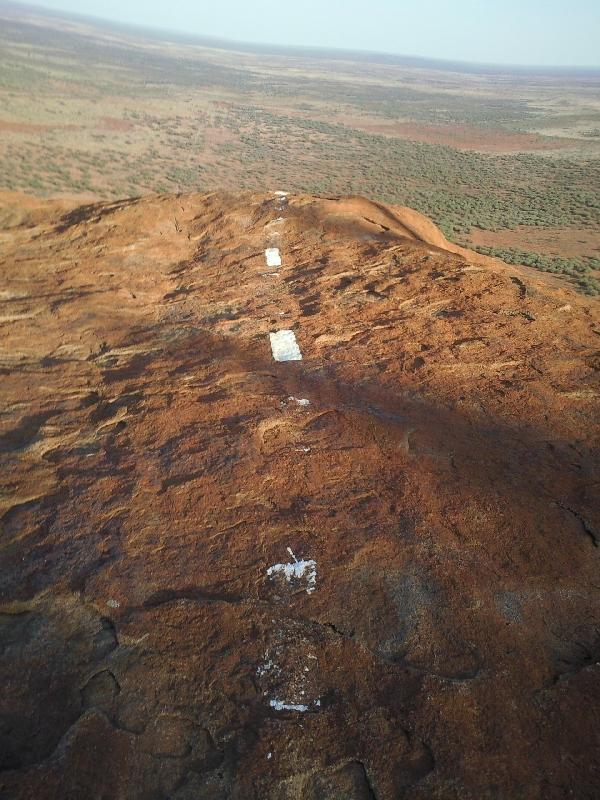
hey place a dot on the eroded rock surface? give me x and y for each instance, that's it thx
(368, 574)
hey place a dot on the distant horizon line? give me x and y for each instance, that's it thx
(327, 52)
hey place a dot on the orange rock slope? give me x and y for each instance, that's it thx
(369, 573)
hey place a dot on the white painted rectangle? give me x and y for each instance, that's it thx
(284, 346)
(273, 257)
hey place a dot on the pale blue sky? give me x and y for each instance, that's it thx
(540, 32)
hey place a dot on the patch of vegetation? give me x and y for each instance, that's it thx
(459, 190)
(579, 270)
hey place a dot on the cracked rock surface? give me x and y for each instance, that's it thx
(369, 574)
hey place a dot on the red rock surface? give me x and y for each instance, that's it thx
(157, 464)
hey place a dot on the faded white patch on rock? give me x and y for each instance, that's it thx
(268, 666)
(289, 676)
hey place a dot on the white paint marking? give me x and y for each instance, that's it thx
(284, 346)
(279, 705)
(302, 401)
(273, 257)
(297, 570)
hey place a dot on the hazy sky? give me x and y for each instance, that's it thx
(544, 32)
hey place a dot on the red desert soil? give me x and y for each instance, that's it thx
(115, 124)
(464, 137)
(566, 242)
(21, 127)
(371, 573)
